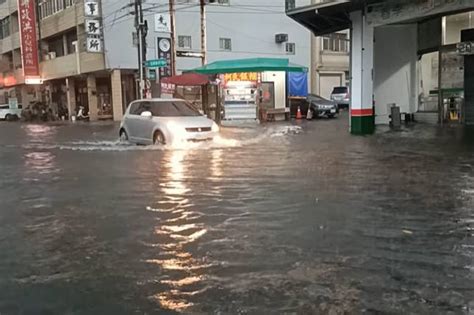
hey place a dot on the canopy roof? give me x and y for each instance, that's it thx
(250, 65)
(187, 79)
(326, 17)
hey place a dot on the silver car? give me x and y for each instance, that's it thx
(165, 121)
(341, 95)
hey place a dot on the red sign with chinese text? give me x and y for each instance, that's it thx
(29, 42)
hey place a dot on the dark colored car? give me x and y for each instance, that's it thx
(321, 106)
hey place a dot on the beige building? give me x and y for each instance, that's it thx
(329, 62)
(329, 59)
(73, 73)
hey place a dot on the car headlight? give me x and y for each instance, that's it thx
(215, 127)
(177, 131)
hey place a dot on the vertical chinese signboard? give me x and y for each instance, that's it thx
(93, 26)
(29, 42)
(164, 52)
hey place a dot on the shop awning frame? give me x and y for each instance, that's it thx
(249, 65)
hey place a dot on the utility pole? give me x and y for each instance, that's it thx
(173, 36)
(141, 33)
(203, 32)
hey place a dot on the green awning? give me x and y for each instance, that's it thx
(250, 65)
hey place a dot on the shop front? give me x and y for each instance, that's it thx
(253, 89)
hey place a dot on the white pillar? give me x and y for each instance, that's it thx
(362, 64)
(117, 99)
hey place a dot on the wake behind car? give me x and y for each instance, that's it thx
(165, 121)
(321, 106)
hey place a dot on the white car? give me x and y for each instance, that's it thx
(341, 95)
(8, 113)
(165, 121)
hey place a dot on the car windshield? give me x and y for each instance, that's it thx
(314, 97)
(340, 90)
(172, 109)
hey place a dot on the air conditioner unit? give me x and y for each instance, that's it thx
(281, 38)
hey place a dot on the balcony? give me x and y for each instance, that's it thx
(63, 20)
(66, 66)
(334, 60)
(10, 43)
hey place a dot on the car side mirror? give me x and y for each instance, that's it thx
(146, 114)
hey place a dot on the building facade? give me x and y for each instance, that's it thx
(329, 62)
(71, 61)
(235, 29)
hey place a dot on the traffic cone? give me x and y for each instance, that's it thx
(309, 114)
(298, 114)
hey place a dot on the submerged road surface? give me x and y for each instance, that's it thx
(298, 219)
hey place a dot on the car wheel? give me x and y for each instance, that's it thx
(8, 117)
(330, 116)
(123, 136)
(159, 138)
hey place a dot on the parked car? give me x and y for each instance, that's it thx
(321, 106)
(8, 113)
(341, 95)
(165, 121)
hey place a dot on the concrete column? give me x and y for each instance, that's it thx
(362, 63)
(117, 95)
(71, 96)
(92, 98)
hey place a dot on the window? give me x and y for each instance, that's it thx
(218, 2)
(225, 44)
(56, 46)
(71, 37)
(290, 48)
(336, 42)
(134, 109)
(5, 27)
(290, 5)
(184, 42)
(50, 7)
(171, 109)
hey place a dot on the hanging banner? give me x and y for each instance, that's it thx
(29, 42)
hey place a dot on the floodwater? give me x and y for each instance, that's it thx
(277, 219)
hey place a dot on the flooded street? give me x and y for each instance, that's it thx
(285, 218)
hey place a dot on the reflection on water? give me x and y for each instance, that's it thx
(178, 229)
(40, 163)
(216, 164)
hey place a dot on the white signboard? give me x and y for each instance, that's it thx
(94, 45)
(388, 12)
(93, 27)
(91, 8)
(163, 23)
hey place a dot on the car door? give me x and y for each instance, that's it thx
(146, 125)
(132, 121)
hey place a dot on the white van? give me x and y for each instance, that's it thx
(6, 113)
